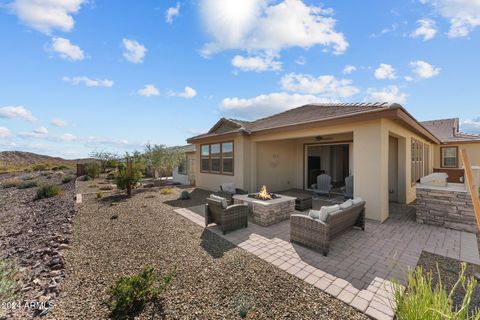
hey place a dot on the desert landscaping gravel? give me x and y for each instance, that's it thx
(117, 236)
(33, 235)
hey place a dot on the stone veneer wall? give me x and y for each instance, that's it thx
(446, 208)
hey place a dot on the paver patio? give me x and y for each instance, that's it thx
(360, 264)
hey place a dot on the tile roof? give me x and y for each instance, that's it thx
(447, 131)
(304, 114)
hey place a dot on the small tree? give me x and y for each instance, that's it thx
(92, 169)
(108, 160)
(129, 174)
(161, 160)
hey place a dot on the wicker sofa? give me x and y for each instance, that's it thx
(228, 219)
(317, 234)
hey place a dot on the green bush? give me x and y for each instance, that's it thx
(85, 178)
(27, 177)
(92, 169)
(67, 179)
(131, 294)
(421, 300)
(9, 283)
(40, 167)
(99, 195)
(47, 191)
(11, 183)
(185, 195)
(129, 174)
(111, 176)
(28, 184)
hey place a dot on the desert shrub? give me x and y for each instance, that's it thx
(67, 179)
(185, 195)
(63, 167)
(106, 188)
(111, 176)
(421, 300)
(40, 167)
(92, 169)
(131, 294)
(47, 191)
(11, 183)
(129, 174)
(27, 177)
(99, 195)
(28, 184)
(9, 283)
(85, 178)
(166, 190)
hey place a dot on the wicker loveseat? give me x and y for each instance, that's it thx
(317, 234)
(227, 218)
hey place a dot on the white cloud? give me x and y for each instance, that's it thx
(426, 29)
(388, 94)
(187, 93)
(148, 91)
(257, 63)
(326, 86)
(106, 83)
(265, 104)
(423, 69)
(67, 137)
(57, 122)
(301, 61)
(67, 50)
(257, 25)
(172, 12)
(385, 71)
(4, 132)
(349, 69)
(16, 112)
(134, 51)
(41, 131)
(463, 15)
(471, 125)
(47, 15)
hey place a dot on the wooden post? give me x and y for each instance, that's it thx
(471, 185)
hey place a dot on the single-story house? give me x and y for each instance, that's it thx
(383, 146)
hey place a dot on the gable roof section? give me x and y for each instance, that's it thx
(312, 114)
(448, 131)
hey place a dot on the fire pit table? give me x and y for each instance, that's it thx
(267, 212)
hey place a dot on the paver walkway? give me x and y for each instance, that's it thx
(360, 264)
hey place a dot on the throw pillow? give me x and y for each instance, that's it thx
(314, 214)
(357, 200)
(326, 210)
(229, 187)
(221, 199)
(346, 204)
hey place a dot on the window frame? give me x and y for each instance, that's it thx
(221, 172)
(442, 158)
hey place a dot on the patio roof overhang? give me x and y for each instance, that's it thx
(395, 112)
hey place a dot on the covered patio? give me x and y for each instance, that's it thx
(360, 264)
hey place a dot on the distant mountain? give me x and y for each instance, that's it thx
(20, 158)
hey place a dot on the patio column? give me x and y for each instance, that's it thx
(370, 170)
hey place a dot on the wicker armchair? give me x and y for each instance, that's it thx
(316, 234)
(228, 219)
(228, 194)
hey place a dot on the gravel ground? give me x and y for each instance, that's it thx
(449, 272)
(33, 235)
(213, 278)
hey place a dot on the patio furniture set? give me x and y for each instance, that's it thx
(231, 207)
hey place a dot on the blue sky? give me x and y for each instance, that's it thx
(80, 75)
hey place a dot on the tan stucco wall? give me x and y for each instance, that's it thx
(473, 150)
(213, 181)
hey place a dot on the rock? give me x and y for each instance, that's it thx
(63, 246)
(55, 273)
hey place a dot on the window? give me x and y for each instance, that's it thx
(217, 158)
(418, 161)
(449, 157)
(227, 157)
